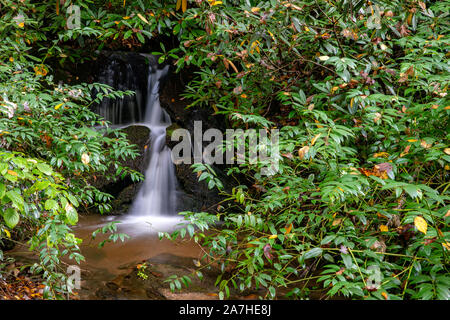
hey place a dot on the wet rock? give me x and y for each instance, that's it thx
(124, 190)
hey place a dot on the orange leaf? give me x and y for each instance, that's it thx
(13, 173)
(184, 5)
(288, 229)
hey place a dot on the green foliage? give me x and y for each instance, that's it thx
(33, 196)
(66, 144)
(359, 92)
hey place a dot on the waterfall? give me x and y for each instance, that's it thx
(157, 196)
(156, 201)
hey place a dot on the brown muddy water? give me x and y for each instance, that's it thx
(110, 272)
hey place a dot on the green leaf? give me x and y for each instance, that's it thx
(16, 198)
(72, 215)
(315, 252)
(11, 217)
(50, 204)
(44, 168)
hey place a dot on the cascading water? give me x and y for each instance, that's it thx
(157, 195)
(156, 200)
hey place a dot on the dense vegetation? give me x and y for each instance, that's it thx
(358, 90)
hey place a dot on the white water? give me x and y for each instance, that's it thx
(157, 196)
(154, 207)
(156, 199)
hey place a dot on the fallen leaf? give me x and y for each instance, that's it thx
(384, 228)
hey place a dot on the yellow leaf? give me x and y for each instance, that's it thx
(385, 295)
(142, 18)
(336, 222)
(447, 151)
(412, 140)
(274, 236)
(178, 5)
(315, 139)
(184, 5)
(233, 66)
(447, 214)
(21, 25)
(58, 106)
(303, 151)
(215, 3)
(421, 224)
(7, 233)
(381, 155)
(324, 58)
(255, 9)
(11, 59)
(197, 263)
(384, 228)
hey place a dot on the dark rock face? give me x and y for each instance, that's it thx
(124, 190)
(201, 198)
(124, 71)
